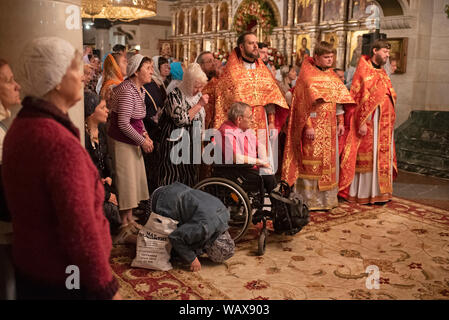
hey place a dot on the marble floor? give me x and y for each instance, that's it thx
(422, 189)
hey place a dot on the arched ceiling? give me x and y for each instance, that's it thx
(391, 7)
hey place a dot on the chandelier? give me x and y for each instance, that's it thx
(123, 10)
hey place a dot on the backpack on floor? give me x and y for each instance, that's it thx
(290, 213)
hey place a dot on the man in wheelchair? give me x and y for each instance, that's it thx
(241, 146)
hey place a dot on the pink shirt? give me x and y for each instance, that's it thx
(238, 142)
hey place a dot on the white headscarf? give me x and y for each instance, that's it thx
(193, 74)
(133, 64)
(157, 74)
(43, 64)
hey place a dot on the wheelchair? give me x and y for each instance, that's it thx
(241, 189)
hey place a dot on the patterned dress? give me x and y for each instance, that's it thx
(180, 158)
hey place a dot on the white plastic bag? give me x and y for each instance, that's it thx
(153, 245)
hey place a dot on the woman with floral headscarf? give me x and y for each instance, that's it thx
(114, 71)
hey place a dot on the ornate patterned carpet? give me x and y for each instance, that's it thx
(408, 242)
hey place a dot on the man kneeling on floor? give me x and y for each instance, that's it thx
(203, 223)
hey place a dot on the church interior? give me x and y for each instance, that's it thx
(403, 245)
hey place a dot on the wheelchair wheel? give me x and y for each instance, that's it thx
(235, 199)
(262, 242)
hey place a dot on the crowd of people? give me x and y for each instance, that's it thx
(69, 204)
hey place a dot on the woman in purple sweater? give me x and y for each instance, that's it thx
(128, 139)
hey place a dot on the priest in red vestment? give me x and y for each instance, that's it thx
(246, 79)
(368, 160)
(316, 121)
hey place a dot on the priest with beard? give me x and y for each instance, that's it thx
(208, 64)
(246, 79)
(369, 159)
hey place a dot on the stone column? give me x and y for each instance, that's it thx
(289, 50)
(24, 20)
(281, 46)
(316, 12)
(343, 10)
(313, 40)
(189, 52)
(186, 22)
(200, 20)
(295, 46)
(102, 41)
(273, 40)
(178, 26)
(173, 22)
(214, 18)
(291, 9)
(341, 36)
(203, 22)
(233, 41)
(185, 45)
(213, 45)
(218, 17)
(198, 47)
(230, 16)
(189, 22)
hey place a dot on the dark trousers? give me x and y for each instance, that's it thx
(269, 182)
(7, 281)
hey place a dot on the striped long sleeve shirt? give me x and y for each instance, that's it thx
(128, 110)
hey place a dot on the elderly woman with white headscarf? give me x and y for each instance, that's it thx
(128, 138)
(181, 123)
(53, 189)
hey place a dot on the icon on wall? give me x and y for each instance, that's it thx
(398, 52)
(331, 38)
(305, 8)
(331, 10)
(165, 48)
(355, 44)
(303, 48)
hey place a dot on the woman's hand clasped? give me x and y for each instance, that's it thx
(148, 145)
(107, 180)
(113, 199)
(204, 100)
